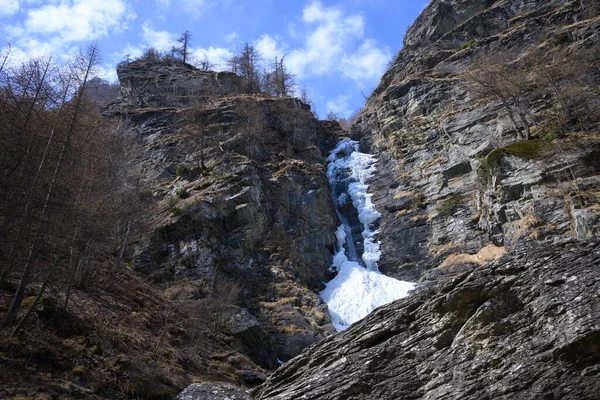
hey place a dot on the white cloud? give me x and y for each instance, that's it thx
(326, 43)
(130, 52)
(217, 56)
(8, 7)
(340, 106)
(163, 4)
(160, 40)
(60, 27)
(79, 20)
(30, 48)
(368, 63)
(333, 43)
(268, 48)
(232, 37)
(196, 6)
(165, 40)
(107, 71)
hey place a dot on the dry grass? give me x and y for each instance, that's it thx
(290, 329)
(131, 341)
(402, 213)
(437, 250)
(269, 305)
(434, 161)
(320, 317)
(527, 224)
(287, 300)
(404, 194)
(486, 254)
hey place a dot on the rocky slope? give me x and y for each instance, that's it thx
(523, 327)
(457, 177)
(241, 207)
(486, 134)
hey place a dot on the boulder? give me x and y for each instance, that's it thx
(213, 391)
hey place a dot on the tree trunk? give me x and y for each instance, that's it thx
(36, 301)
(31, 258)
(13, 310)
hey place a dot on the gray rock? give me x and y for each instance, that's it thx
(250, 337)
(431, 133)
(213, 391)
(521, 328)
(147, 85)
(239, 192)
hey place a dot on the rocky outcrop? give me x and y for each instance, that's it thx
(523, 327)
(213, 391)
(455, 171)
(485, 132)
(239, 206)
(485, 128)
(150, 85)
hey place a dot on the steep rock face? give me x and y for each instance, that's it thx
(485, 129)
(241, 209)
(523, 327)
(455, 172)
(170, 84)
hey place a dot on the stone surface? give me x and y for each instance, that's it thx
(237, 192)
(458, 185)
(213, 391)
(523, 327)
(250, 337)
(431, 133)
(153, 85)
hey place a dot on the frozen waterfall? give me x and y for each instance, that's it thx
(359, 287)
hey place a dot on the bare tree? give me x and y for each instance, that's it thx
(5, 56)
(36, 73)
(493, 77)
(253, 125)
(151, 54)
(233, 63)
(204, 63)
(283, 81)
(64, 191)
(82, 69)
(332, 116)
(248, 61)
(304, 96)
(184, 39)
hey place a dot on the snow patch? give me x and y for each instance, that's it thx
(356, 290)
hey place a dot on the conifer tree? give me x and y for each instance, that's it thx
(184, 39)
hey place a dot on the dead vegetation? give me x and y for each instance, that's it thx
(131, 341)
(486, 254)
(77, 319)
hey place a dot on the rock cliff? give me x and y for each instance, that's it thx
(240, 206)
(523, 327)
(485, 128)
(486, 133)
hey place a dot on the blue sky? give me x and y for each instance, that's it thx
(335, 48)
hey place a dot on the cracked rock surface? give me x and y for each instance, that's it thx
(524, 327)
(434, 135)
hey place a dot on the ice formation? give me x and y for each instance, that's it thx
(359, 287)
